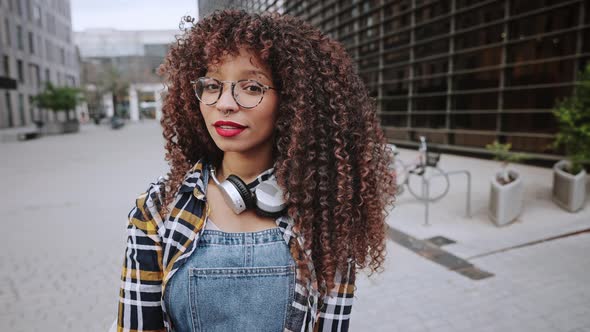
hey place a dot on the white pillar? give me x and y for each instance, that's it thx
(158, 97)
(107, 101)
(133, 104)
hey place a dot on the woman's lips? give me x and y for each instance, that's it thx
(228, 132)
(228, 128)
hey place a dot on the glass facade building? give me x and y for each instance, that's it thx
(463, 73)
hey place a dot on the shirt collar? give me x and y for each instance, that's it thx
(196, 180)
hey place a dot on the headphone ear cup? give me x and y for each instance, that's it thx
(266, 214)
(242, 189)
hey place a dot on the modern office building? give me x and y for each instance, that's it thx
(463, 73)
(36, 46)
(206, 7)
(135, 57)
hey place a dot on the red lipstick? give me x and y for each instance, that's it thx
(228, 128)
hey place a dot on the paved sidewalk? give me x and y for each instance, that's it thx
(66, 199)
(541, 288)
(541, 218)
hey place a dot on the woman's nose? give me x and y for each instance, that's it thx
(226, 101)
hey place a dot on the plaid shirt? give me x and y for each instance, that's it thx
(156, 248)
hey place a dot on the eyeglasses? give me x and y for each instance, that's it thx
(246, 93)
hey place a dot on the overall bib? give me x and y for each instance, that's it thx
(233, 282)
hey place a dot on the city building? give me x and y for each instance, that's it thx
(36, 46)
(207, 7)
(463, 73)
(133, 57)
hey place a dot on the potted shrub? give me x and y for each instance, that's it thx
(59, 99)
(506, 190)
(573, 118)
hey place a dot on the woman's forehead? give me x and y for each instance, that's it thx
(243, 63)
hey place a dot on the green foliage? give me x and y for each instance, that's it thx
(502, 152)
(58, 98)
(573, 118)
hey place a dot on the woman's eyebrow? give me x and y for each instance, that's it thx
(245, 72)
(257, 72)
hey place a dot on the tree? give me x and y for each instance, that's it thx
(58, 99)
(112, 81)
(573, 118)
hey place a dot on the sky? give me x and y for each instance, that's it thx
(130, 14)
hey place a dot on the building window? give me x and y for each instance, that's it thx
(471, 101)
(538, 98)
(6, 65)
(20, 71)
(32, 107)
(474, 121)
(39, 45)
(37, 15)
(557, 19)
(21, 108)
(543, 73)
(34, 75)
(31, 42)
(19, 38)
(7, 38)
(38, 76)
(50, 19)
(529, 122)
(48, 53)
(29, 10)
(47, 75)
(62, 54)
(543, 47)
(9, 109)
(19, 8)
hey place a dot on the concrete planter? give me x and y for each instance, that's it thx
(506, 200)
(72, 126)
(58, 128)
(569, 191)
(53, 128)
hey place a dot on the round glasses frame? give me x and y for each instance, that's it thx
(233, 90)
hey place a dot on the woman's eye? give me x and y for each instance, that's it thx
(211, 87)
(253, 88)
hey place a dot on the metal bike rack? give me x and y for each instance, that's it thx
(426, 192)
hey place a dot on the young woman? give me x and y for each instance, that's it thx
(277, 190)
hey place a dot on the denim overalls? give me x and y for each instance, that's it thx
(233, 282)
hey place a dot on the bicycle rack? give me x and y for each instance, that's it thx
(426, 192)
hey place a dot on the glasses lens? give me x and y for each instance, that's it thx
(208, 90)
(248, 93)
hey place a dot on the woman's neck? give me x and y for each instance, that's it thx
(247, 167)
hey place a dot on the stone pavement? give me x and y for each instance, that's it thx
(541, 288)
(66, 198)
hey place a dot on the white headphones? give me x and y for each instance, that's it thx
(263, 194)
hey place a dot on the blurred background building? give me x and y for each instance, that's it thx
(119, 69)
(207, 7)
(36, 46)
(460, 72)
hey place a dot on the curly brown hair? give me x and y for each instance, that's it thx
(330, 154)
